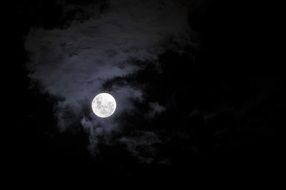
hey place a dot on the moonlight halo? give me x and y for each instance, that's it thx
(103, 105)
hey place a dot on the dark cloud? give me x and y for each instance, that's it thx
(76, 61)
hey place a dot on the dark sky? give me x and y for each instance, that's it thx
(199, 87)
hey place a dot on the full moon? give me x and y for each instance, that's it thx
(103, 105)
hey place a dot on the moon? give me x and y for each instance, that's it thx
(103, 105)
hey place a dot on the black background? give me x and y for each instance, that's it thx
(236, 73)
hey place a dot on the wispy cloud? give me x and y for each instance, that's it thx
(75, 62)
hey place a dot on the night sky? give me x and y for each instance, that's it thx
(198, 86)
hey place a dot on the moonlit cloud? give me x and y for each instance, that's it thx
(75, 62)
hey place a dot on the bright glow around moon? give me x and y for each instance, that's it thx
(103, 105)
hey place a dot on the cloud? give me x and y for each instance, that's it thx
(75, 62)
(155, 109)
(142, 146)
